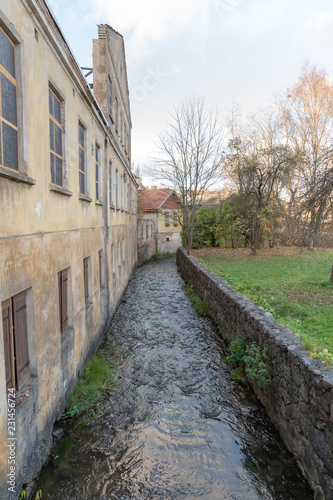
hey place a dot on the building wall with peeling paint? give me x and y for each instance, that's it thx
(46, 228)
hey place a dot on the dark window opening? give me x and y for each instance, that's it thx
(63, 299)
(14, 323)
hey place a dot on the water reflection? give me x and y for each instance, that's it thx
(176, 426)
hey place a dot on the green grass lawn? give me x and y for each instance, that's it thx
(291, 284)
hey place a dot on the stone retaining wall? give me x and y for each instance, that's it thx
(299, 399)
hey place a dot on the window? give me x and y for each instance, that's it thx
(124, 259)
(125, 191)
(121, 127)
(97, 159)
(116, 109)
(175, 218)
(147, 232)
(119, 260)
(56, 146)
(63, 299)
(130, 197)
(117, 188)
(111, 201)
(9, 156)
(125, 136)
(82, 170)
(166, 218)
(121, 192)
(14, 322)
(86, 275)
(100, 267)
(110, 98)
(113, 265)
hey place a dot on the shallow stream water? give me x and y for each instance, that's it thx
(176, 426)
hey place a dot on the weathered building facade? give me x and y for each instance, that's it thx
(162, 206)
(67, 223)
(147, 238)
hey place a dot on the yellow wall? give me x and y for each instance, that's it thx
(44, 232)
(162, 228)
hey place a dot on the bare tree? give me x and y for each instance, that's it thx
(308, 118)
(190, 157)
(259, 164)
(319, 198)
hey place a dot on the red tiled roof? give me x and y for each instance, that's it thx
(153, 199)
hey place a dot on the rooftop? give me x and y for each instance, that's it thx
(155, 199)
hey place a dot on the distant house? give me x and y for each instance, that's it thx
(164, 208)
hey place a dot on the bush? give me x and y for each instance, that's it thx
(250, 361)
(204, 234)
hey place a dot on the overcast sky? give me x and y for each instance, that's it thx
(219, 49)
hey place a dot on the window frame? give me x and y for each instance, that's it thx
(3, 121)
(20, 175)
(83, 147)
(125, 137)
(16, 343)
(116, 104)
(110, 99)
(122, 192)
(101, 268)
(113, 266)
(64, 294)
(119, 260)
(97, 162)
(87, 280)
(117, 188)
(60, 125)
(123, 254)
(111, 196)
(175, 217)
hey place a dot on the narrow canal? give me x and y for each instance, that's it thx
(176, 426)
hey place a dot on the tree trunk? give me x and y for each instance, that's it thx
(331, 278)
(255, 237)
(312, 232)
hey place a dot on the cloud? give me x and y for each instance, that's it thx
(317, 34)
(149, 22)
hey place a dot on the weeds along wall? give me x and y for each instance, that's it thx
(299, 397)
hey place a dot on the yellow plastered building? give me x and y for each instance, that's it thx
(67, 223)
